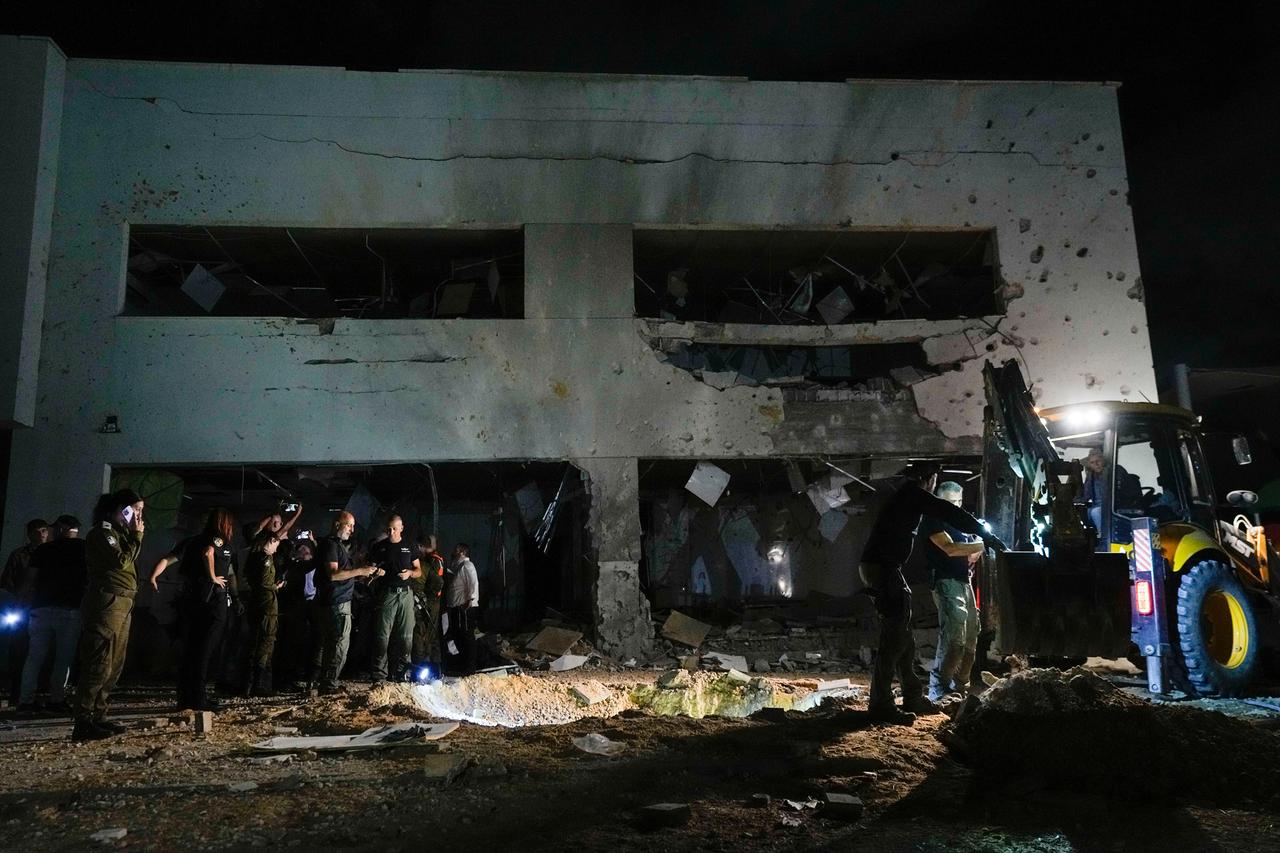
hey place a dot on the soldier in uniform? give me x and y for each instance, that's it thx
(393, 618)
(111, 548)
(264, 612)
(426, 592)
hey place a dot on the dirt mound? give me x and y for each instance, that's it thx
(1075, 729)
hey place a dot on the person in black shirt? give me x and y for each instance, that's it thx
(59, 580)
(888, 547)
(206, 568)
(335, 586)
(398, 559)
(951, 555)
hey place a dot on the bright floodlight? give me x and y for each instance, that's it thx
(1085, 417)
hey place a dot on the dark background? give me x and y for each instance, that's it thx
(1198, 101)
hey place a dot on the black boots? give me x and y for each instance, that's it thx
(257, 682)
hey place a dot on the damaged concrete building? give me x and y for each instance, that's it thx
(238, 267)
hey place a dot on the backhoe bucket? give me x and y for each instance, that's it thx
(1037, 609)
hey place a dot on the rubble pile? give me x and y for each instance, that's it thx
(1073, 729)
(782, 645)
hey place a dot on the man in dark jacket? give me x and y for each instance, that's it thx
(58, 588)
(888, 548)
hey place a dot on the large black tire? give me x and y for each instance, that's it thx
(1217, 631)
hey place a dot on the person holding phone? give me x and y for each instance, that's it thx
(206, 567)
(264, 613)
(111, 548)
(335, 580)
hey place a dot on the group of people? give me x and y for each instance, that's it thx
(920, 508)
(80, 594)
(78, 597)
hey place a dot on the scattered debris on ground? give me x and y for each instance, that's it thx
(1075, 729)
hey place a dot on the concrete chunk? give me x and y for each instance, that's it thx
(554, 641)
(685, 629)
(590, 692)
(665, 815)
(204, 722)
(844, 807)
(442, 768)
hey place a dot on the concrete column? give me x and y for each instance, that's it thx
(620, 609)
(32, 74)
(578, 272)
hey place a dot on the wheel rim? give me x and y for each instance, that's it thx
(1225, 628)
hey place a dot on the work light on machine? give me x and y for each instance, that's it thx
(1085, 417)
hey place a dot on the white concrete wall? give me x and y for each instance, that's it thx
(31, 84)
(578, 161)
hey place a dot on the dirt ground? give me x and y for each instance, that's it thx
(937, 786)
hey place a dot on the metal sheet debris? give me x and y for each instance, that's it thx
(728, 662)
(378, 737)
(835, 306)
(565, 663)
(204, 288)
(708, 482)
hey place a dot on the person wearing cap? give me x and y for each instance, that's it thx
(59, 577)
(888, 548)
(15, 594)
(111, 549)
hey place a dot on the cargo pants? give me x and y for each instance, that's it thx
(104, 638)
(958, 628)
(335, 625)
(393, 632)
(264, 620)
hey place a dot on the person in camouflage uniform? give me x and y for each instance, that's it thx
(111, 548)
(426, 594)
(264, 612)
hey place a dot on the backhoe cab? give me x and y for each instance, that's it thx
(1085, 475)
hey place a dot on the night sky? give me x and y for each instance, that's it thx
(1199, 102)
